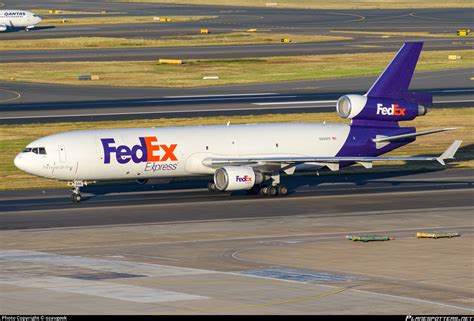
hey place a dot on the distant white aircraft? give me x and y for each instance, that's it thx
(245, 157)
(10, 19)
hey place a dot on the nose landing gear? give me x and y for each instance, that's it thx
(76, 191)
(76, 197)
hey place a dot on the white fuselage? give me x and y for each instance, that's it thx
(116, 154)
(17, 19)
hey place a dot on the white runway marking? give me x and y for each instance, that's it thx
(455, 90)
(334, 101)
(163, 112)
(222, 95)
(39, 264)
(144, 269)
(297, 102)
(36, 277)
(212, 99)
(265, 106)
(16, 95)
(109, 290)
(453, 101)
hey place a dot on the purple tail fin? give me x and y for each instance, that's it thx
(396, 78)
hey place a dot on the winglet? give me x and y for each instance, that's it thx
(449, 152)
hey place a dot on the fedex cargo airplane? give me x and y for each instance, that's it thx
(10, 19)
(245, 157)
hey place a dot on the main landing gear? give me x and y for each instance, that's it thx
(211, 186)
(280, 190)
(264, 190)
(76, 191)
(275, 188)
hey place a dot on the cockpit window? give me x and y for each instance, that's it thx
(36, 150)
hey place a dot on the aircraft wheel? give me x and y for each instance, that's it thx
(282, 190)
(211, 186)
(271, 191)
(76, 198)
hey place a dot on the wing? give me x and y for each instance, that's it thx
(331, 162)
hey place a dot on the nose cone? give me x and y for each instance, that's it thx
(24, 162)
(20, 162)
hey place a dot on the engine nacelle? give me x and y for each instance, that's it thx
(234, 178)
(3, 27)
(370, 108)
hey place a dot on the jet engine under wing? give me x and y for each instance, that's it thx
(328, 161)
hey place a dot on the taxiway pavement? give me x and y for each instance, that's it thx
(189, 200)
(42, 103)
(186, 252)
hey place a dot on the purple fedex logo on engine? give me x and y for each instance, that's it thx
(387, 110)
(243, 179)
(394, 110)
(146, 151)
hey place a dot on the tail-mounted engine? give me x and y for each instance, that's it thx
(359, 107)
(389, 99)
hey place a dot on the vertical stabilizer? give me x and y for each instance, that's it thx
(393, 83)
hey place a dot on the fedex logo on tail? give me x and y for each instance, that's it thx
(146, 151)
(395, 110)
(242, 179)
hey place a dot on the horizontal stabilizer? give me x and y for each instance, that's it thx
(382, 141)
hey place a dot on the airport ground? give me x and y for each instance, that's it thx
(188, 252)
(29, 103)
(171, 247)
(327, 22)
(224, 72)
